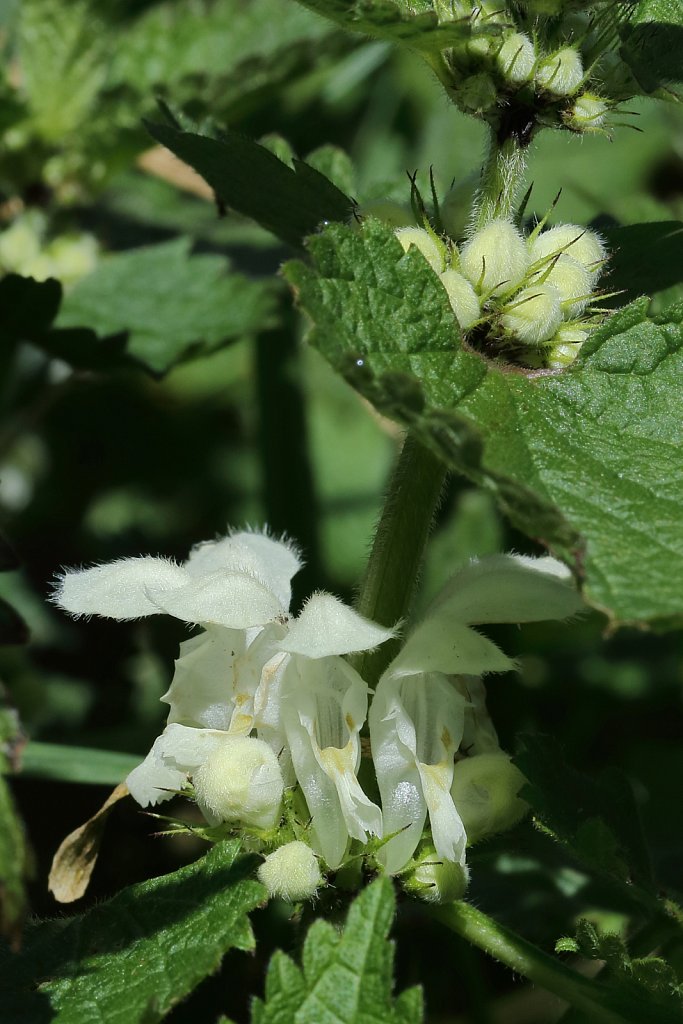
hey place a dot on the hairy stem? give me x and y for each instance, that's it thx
(398, 548)
(599, 1004)
(502, 178)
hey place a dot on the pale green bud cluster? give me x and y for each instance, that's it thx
(25, 249)
(542, 62)
(527, 297)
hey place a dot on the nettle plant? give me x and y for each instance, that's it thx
(336, 751)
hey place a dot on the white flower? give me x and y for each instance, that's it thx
(252, 670)
(420, 712)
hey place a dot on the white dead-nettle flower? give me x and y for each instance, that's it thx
(429, 705)
(258, 700)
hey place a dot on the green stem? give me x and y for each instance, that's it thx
(502, 178)
(398, 548)
(546, 971)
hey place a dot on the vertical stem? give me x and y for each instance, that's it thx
(546, 971)
(501, 180)
(398, 547)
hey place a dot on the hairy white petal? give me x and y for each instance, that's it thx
(327, 626)
(441, 644)
(508, 588)
(272, 561)
(120, 589)
(201, 693)
(448, 831)
(324, 707)
(223, 597)
(175, 754)
(404, 809)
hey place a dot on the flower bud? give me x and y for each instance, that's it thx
(240, 781)
(581, 243)
(462, 297)
(587, 114)
(534, 315)
(434, 879)
(476, 94)
(426, 243)
(565, 346)
(562, 73)
(516, 58)
(291, 873)
(572, 281)
(484, 791)
(396, 215)
(495, 259)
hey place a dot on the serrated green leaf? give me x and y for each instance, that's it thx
(645, 258)
(173, 41)
(128, 961)
(290, 202)
(167, 303)
(586, 460)
(416, 25)
(595, 818)
(345, 978)
(63, 63)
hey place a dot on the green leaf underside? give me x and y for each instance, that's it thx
(289, 202)
(587, 460)
(167, 302)
(345, 978)
(420, 29)
(131, 959)
(649, 980)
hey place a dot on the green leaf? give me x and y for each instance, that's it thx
(650, 980)
(13, 629)
(596, 819)
(290, 202)
(652, 43)
(172, 42)
(167, 303)
(128, 961)
(586, 460)
(416, 25)
(645, 258)
(63, 63)
(76, 764)
(345, 978)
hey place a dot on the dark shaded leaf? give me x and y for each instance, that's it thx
(247, 177)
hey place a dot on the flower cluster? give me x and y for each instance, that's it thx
(266, 713)
(552, 62)
(25, 249)
(527, 297)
